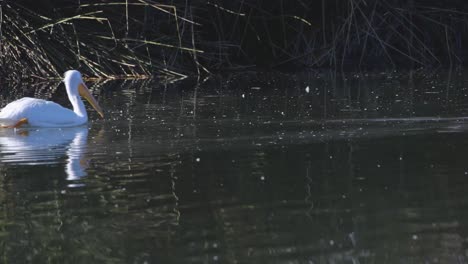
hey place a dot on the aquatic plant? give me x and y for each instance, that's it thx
(139, 38)
(102, 39)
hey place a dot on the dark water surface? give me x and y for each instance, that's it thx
(251, 168)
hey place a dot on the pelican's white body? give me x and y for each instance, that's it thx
(42, 113)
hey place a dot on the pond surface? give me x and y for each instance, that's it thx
(250, 168)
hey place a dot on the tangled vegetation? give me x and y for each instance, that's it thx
(140, 38)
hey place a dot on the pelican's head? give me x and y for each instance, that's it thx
(76, 86)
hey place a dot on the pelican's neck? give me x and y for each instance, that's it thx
(75, 100)
(78, 106)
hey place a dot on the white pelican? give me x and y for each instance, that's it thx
(42, 113)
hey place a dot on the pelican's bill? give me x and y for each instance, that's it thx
(84, 92)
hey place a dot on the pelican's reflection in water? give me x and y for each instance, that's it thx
(77, 163)
(46, 146)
